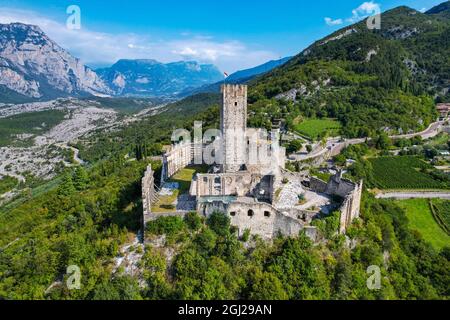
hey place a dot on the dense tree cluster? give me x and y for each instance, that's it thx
(213, 264)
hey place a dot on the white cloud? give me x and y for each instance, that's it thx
(423, 10)
(365, 10)
(100, 48)
(332, 22)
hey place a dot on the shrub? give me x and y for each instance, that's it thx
(193, 221)
(246, 235)
(294, 146)
(219, 223)
(165, 225)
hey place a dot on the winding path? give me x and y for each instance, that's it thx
(334, 146)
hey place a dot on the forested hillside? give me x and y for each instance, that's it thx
(86, 219)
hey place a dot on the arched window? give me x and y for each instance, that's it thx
(233, 213)
(250, 213)
(267, 214)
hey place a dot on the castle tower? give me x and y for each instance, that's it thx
(233, 125)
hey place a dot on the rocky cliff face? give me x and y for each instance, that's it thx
(34, 66)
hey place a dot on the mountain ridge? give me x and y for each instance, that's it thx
(36, 67)
(153, 78)
(33, 67)
(239, 77)
(442, 9)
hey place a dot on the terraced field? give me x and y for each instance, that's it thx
(315, 128)
(441, 212)
(406, 172)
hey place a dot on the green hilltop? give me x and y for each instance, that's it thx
(369, 80)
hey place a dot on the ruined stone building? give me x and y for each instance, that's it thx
(250, 183)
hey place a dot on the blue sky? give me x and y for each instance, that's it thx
(233, 34)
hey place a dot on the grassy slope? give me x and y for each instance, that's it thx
(421, 219)
(314, 128)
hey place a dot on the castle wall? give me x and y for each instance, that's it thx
(339, 187)
(260, 218)
(148, 193)
(241, 184)
(318, 185)
(351, 193)
(177, 158)
(350, 208)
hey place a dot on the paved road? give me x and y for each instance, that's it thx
(414, 195)
(433, 130)
(334, 146)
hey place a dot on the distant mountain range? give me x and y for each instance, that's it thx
(442, 10)
(153, 78)
(239, 77)
(34, 67)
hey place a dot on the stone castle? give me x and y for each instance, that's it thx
(250, 183)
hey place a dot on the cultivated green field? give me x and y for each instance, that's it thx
(441, 210)
(31, 123)
(421, 219)
(406, 172)
(316, 128)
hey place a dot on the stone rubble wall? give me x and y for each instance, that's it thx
(350, 209)
(260, 218)
(351, 193)
(241, 184)
(148, 193)
(318, 185)
(339, 187)
(179, 157)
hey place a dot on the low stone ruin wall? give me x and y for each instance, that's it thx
(148, 193)
(260, 218)
(318, 185)
(351, 193)
(350, 208)
(177, 158)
